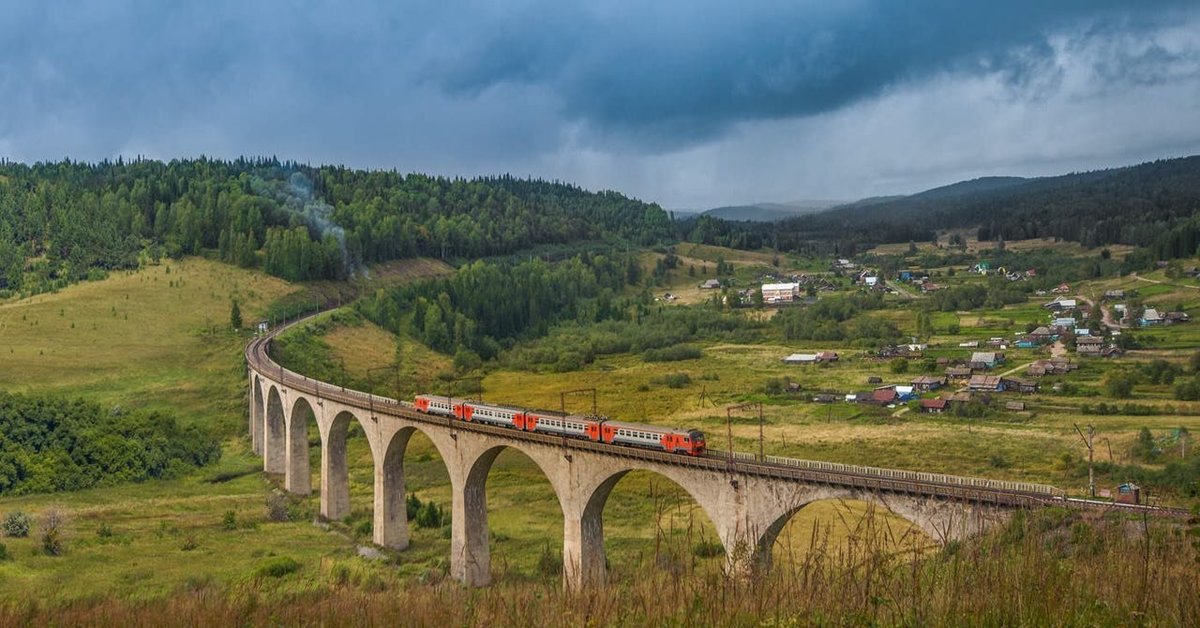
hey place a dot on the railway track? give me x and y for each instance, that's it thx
(1021, 494)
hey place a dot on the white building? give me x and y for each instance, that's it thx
(780, 292)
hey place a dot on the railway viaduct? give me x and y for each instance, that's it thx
(748, 500)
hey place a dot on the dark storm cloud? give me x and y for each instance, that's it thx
(685, 102)
(685, 71)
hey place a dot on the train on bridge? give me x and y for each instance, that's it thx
(596, 429)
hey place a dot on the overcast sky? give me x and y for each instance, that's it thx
(688, 103)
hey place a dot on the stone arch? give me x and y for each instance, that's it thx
(274, 433)
(298, 477)
(470, 553)
(256, 413)
(902, 507)
(583, 553)
(390, 527)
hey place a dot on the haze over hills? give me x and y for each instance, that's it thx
(774, 212)
(771, 212)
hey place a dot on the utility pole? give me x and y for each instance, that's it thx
(729, 425)
(1087, 441)
(562, 399)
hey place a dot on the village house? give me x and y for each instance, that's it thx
(958, 372)
(1041, 334)
(934, 406)
(1089, 345)
(1063, 324)
(1056, 366)
(824, 398)
(884, 396)
(1015, 406)
(926, 383)
(957, 397)
(1114, 294)
(986, 383)
(811, 358)
(780, 292)
(985, 360)
(1020, 385)
(1151, 317)
(711, 284)
(1171, 318)
(1062, 305)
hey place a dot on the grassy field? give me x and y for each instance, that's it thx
(154, 338)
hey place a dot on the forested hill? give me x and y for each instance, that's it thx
(1154, 205)
(60, 222)
(1129, 205)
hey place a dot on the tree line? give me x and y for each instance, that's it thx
(50, 444)
(486, 306)
(63, 221)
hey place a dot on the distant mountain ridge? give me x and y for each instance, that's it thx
(770, 212)
(1154, 205)
(1130, 204)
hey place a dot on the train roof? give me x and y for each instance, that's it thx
(645, 427)
(553, 413)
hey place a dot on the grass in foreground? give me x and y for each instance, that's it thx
(1053, 568)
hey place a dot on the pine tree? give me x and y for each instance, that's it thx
(235, 316)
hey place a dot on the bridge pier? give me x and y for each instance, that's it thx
(298, 479)
(391, 518)
(335, 480)
(584, 563)
(470, 556)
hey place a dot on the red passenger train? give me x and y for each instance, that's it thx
(598, 429)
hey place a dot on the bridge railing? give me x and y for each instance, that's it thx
(894, 474)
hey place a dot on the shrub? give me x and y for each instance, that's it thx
(550, 562)
(3, 552)
(277, 508)
(104, 531)
(1119, 385)
(708, 549)
(900, 365)
(229, 521)
(16, 524)
(51, 528)
(190, 543)
(673, 353)
(276, 567)
(673, 380)
(430, 516)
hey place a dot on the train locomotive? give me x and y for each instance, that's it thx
(596, 429)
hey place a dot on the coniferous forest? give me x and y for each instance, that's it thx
(65, 221)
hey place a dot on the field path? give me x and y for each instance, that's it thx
(1165, 283)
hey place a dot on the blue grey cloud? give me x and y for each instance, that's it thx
(680, 72)
(689, 103)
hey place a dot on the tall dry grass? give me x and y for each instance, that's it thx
(1050, 568)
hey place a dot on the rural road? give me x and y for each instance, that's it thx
(1105, 313)
(1165, 283)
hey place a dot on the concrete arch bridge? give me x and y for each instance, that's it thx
(747, 499)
